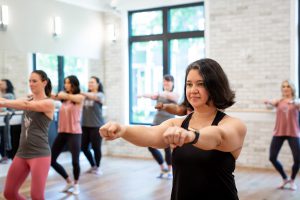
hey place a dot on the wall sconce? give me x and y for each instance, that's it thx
(56, 26)
(4, 16)
(112, 33)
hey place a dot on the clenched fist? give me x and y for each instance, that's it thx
(177, 136)
(111, 130)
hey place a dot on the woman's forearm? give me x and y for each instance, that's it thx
(144, 136)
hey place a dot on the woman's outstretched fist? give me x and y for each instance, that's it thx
(111, 130)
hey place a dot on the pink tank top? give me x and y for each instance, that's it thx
(287, 123)
(69, 118)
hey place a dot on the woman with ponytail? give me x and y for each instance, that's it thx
(34, 154)
(69, 131)
(92, 120)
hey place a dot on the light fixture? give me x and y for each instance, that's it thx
(112, 33)
(4, 16)
(56, 26)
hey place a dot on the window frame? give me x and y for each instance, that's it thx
(60, 70)
(165, 37)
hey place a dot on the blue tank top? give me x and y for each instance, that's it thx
(202, 174)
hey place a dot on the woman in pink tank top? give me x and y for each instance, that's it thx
(286, 128)
(69, 131)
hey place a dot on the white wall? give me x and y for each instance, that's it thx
(30, 29)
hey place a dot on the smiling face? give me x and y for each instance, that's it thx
(168, 85)
(287, 90)
(196, 93)
(93, 85)
(36, 84)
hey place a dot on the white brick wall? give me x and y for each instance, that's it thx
(114, 70)
(14, 66)
(251, 40)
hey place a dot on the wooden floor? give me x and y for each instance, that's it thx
(135, 179)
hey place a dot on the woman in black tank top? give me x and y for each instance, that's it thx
(205, 144)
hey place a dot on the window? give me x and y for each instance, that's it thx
(161, 41)
(150, 24)
(48, 63)
(59, 67)
(79, 68)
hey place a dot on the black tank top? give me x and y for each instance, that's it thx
(202, 174)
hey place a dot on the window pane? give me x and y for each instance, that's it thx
(146, 78)
(48, 63)
(186, 19)
(79, 68)
(182, 53)
(146, 23)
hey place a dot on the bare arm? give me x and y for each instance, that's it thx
(172, 96)
(76, 98)
(272, 103)
(94, 96)
(144, 136)
(172, 108)
(45, 105)
(228, 136)
(149, 96)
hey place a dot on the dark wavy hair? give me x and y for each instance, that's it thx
(169, 77)
(100, 86)
(9, 86)
(44, 77)
(215, 82)
(75, 86)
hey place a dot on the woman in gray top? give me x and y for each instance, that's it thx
(92, 120)
(167, 96)
(33, 155)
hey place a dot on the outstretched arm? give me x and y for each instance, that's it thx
(172, 96)
(272, 103)
(99, 97)
(45, 105)
(228, 136)
(145, 136)
(76, 98)
(172, 108)
(149, 96)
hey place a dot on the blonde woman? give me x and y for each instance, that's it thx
(286, 128)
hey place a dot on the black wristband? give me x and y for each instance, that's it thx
(197, 135)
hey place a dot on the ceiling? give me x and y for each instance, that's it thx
(124, 5)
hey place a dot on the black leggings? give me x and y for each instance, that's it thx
(91, 135)
(158, 157)
(74, 143)
(275, 147)
(2, 144)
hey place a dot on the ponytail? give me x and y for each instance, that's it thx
(44, 77)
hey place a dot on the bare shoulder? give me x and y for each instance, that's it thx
(48, 102)
(233, 122)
